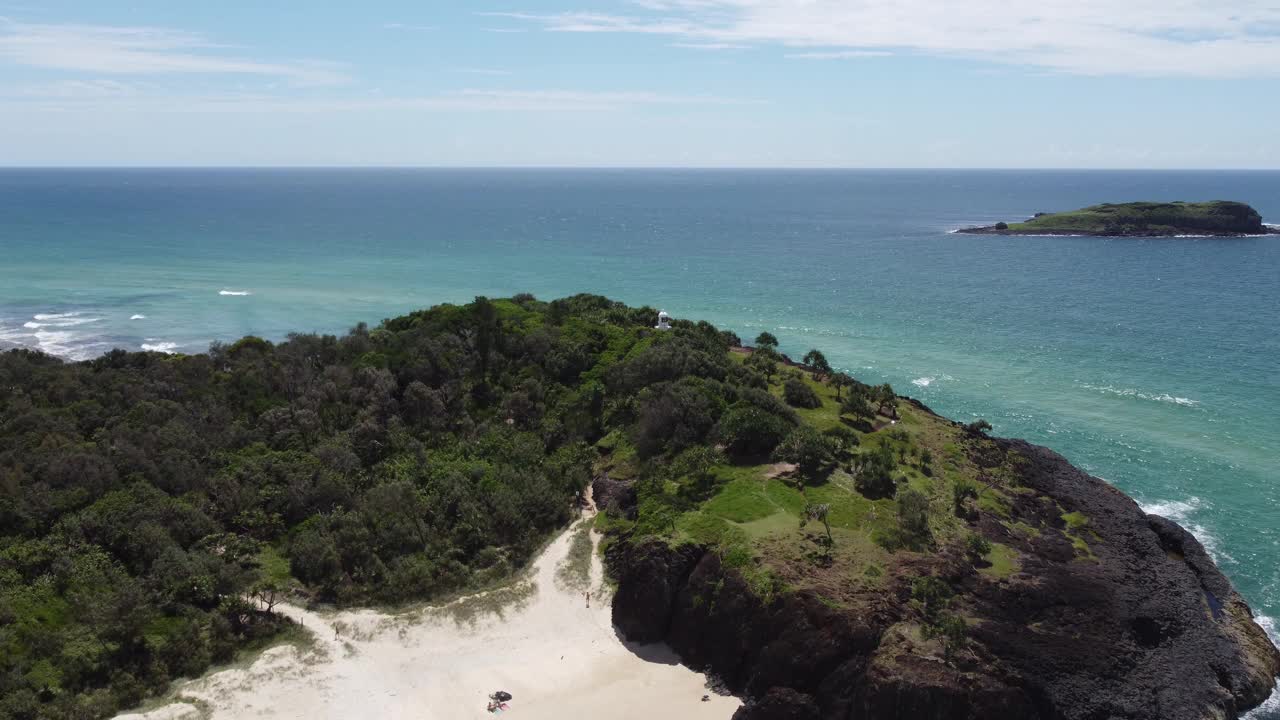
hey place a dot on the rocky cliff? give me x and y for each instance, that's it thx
(1139, 625)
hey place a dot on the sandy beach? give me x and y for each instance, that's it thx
(535, 639)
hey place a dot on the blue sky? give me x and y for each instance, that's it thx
(845, 83)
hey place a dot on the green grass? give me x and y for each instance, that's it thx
(620, 459)
(274, 566)
(746, 496)
(1022, 529)
(1003, 559)
(994, 502)
(1076, 521)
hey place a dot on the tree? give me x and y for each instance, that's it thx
(858, 403)
(816, 360)
(798, 394)
(810, 450)
(486, 320)
(766, 340)
(268, 593)
(886, 400)
(913, 519)
(764, 361)
(819, 513)
(749, 431)
(873, 477)
(840, 381)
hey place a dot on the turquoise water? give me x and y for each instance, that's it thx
(1151, 363)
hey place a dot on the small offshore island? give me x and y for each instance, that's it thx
(1219, 218)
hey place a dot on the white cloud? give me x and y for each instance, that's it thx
(710, 46)
(1204, 38)
(838, 54)
(113, 50)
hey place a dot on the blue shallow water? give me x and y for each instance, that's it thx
(1151, 363)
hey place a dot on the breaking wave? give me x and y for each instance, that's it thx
(58, 334)
(137, 317)
(236, 293)
(162, 347)
(1131, 392)
(1181, 512)
(68, 320)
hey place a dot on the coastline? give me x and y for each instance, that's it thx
(557, 657)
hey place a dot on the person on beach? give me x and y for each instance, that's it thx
(588, 598)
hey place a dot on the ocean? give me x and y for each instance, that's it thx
(1150, 363)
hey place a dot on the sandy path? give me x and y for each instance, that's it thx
(557, 657)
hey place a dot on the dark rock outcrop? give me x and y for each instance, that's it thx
(1145, 627)
(780, 704)
(616, 496)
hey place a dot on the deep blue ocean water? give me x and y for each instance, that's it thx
(1151, 363)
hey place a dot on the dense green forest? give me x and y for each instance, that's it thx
(144, 496)
(147, 501)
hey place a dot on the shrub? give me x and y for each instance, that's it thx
(933, 595)
(913, 519)
(977, 427)
(963, 490)
(874, 477)
(976, 547)
(798, 394)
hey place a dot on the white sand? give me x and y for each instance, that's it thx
(558, 658)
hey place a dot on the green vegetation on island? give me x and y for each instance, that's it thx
(1140, 219)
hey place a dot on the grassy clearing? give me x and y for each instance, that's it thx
(754, 521)
(574, 572)
(1004, 561)
(274, 567)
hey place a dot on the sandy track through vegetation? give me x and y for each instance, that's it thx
(535, 639)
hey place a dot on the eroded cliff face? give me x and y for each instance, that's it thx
(1145, 627)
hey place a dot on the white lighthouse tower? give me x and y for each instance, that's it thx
(664, 321)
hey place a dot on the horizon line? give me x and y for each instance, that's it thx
(781, 168)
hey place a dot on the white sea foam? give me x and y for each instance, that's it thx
(162, 347)
(137, 317)
(237, 293)
(55, 316)
(1176, 510)
(56, 342)
(64, 321)
(1132, 392)
(923, 381)
(1182, 512)
(1270, 708)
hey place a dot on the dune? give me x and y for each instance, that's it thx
(535, 639)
